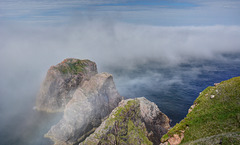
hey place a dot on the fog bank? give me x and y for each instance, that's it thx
(154, 52)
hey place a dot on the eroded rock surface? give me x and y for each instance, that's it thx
(91, 102)
(61, 82)
(134, 121)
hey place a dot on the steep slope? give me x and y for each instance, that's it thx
(134, 121)
(91, 102)
(61, 81)
(213, 119)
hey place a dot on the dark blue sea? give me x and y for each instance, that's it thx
(172, 87)
(175, 87)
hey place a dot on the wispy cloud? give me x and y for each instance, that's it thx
(108, 43)
(148, 12)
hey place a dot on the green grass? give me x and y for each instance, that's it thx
(72, 66)
(137, 133)
(209, 117)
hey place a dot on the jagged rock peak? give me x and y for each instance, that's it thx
(61, 81)
(134, 121)
(91, 102)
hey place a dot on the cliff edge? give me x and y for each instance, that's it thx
(214, 118)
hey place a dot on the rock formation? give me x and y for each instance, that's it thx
(134, 121)
(87, 98)
(91, 102)
(61, 81)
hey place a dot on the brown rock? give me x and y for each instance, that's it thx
(215, 84)
(191, 108)
(176, 139)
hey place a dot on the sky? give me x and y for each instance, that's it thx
(150, 12)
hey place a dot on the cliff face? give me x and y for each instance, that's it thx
(91, 102)
(134, 121)
(213, 119)
(61, 82)
(87, 98)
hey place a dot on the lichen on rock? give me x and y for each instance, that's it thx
(134, 121)
(61, 81)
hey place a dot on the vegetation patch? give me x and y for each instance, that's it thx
(217, 111)
(72, 66)
(124, 126)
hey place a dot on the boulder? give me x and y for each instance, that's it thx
(134, 121)
(61, 82)
(91, 102)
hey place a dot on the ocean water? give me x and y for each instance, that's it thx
(172, 87)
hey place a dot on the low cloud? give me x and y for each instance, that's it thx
(111, 44)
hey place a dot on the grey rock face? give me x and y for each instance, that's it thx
(61, 82)
(134, 121)
(157, 123)
(91, 102)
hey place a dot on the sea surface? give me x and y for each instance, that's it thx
(172, 87)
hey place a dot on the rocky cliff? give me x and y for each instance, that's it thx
(61, 82)
(134, 121)
(91, 102)
(213, 119)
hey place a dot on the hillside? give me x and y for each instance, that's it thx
(213, 119)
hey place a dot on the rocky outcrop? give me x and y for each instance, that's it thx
(134, 121)
(61, 82)
(91, 102)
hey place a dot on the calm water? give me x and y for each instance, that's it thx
(172, 88)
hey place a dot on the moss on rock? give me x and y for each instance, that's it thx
(61, 81)
(72, 66)
(126, 125)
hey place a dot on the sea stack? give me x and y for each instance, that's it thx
(91, 102)
(61, 82)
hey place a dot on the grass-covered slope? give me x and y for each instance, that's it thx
(215, 119)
